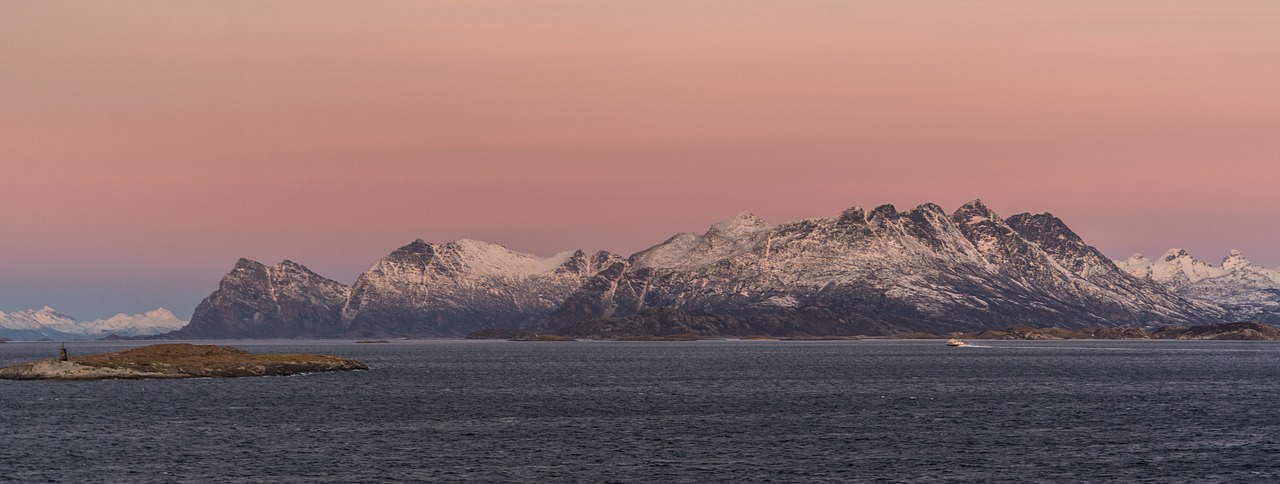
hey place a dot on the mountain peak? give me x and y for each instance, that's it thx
(975, 205)
(290, 267)
(248, 264)
(159, 313)
(1235, 260)
(471, 244)
(886, 210)
(570, 262)
(930, 208)
(854, 214)
(882, 214)
(740, 224)
(1175, 254)
(417, 247)
(974, 211)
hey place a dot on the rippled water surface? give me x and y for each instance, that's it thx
(1159, 411)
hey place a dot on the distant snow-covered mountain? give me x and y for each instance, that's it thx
(156, 321)
(1245, 290)
(48, 323)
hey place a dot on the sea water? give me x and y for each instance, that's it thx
(724, 411)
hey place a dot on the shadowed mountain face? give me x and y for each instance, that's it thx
(877, 272)
(256, 301)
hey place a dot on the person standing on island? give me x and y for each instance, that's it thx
(62, 353)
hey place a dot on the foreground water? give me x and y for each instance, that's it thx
(661, 412)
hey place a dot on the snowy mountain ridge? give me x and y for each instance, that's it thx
(882, 271)
(877, 272)
(419, 289)
(49, 323)
(1245, 290)
(454, 288)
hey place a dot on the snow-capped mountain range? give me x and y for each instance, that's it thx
(862, 272)
(877, 272)
(1246, 291)
(421, 289)
(49, 323)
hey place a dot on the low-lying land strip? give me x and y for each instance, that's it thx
(177, 361)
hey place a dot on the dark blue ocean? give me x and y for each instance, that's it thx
(719, 411)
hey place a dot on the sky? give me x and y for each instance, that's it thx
(145, 146)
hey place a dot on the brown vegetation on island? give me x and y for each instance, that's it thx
(544, 337)
(177, 361)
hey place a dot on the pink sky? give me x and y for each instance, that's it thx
(145, 146)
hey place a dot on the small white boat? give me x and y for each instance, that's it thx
(955, 342)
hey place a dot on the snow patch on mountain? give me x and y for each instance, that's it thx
(493, 260)
(157, 321)
(45, 319)
(1176, 268)
(49, 323)
(727, 239)
(453, 288)
(1247, 291)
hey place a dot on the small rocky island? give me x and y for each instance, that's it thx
(176, 361)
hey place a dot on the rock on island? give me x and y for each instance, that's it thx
(177, 361)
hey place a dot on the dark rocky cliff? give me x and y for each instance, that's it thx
(258, 301)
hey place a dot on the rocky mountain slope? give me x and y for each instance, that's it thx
(421, 289)
(1246, 291)
(258, 301)
(455, 288)
(48, 323)
(877, 272)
